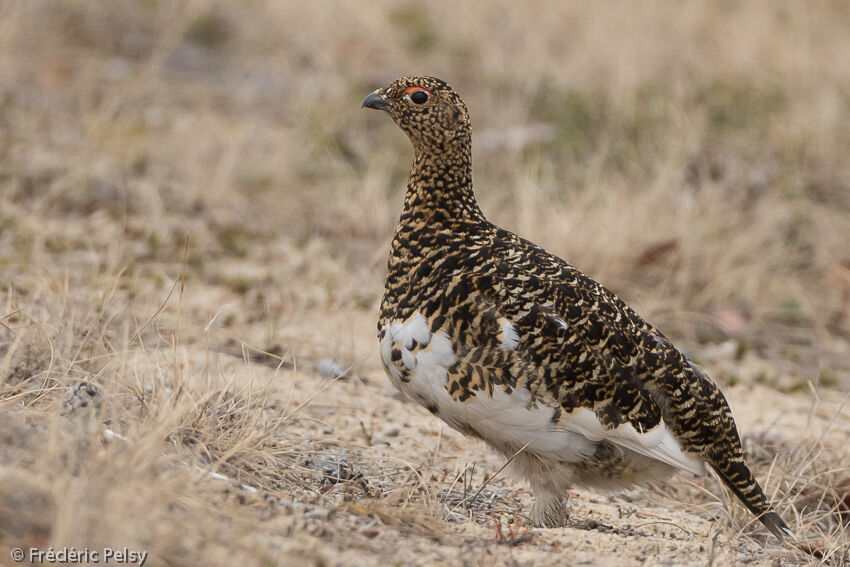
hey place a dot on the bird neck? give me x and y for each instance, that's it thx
(439, 191)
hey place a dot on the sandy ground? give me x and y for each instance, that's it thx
(194, 221)
(675, 524)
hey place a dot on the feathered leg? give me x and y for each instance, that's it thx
(549, 509)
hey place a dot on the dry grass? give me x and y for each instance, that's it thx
(194, 213)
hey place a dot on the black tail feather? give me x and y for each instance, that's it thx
(740, 480)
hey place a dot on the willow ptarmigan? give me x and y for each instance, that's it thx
(511, 344)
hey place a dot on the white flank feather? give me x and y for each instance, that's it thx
(509, 420)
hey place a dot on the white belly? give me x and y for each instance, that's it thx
(510, 421)
(506, 421)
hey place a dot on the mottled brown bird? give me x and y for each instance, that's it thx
(511, 344)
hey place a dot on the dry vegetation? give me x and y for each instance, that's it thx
(194, 214)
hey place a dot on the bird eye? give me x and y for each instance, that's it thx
(419, 97)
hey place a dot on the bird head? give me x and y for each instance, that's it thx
(428, 110)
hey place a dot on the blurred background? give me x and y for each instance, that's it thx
(693, 157)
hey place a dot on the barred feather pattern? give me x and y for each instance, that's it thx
(513, 345)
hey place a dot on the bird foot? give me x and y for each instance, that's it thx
(549, 510)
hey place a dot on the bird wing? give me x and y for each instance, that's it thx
(578, 355)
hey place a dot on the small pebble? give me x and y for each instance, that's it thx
(81, 394)
(330, 369)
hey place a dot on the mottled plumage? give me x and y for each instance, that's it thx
(513, 345)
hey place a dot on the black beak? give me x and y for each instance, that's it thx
(376, 101)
